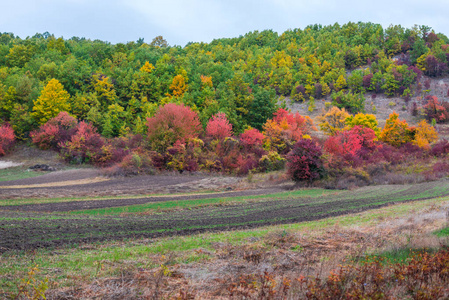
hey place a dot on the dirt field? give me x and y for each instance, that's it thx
(43, 225)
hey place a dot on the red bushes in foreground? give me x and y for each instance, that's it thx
(7, 139)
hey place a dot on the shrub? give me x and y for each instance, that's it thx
(252, 137)
(55, 132)
(46, 137)
(304, 161)
(171, 123)
(353, 103)
(137, 162)
(440, 149)
(86, 145)
(351, 141)
(271, 162)
(7, 139)
(219, 127)
(434, 110)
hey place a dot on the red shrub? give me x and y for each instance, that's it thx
(351, 141)
(56, 131)
(86, 145)
(440, 149)
(64, 120)
(434, 110)
(46, 137)
(252, 137)
(304, 161)
(219, 127)
(171, 123)
(7, 139)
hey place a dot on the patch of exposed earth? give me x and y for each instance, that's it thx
(90, 182)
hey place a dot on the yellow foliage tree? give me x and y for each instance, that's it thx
(104, 90)
(364, 120)
(147, 67)
(178, 86)
(51, 102)
(333, 121)
(396, 132)
(425, 134)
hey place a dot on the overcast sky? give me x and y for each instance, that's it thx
(180, 22)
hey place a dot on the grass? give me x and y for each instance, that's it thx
(20, 172)
(401, 255)
(443, 232)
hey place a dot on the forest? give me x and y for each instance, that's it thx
(220, 106)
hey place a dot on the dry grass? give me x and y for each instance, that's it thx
(280, 255)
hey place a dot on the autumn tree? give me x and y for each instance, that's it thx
(179, 85)
(285, 129)
(396, 132)
(364, 120)
(51, 102)
(434, 110)
(159, 42)
(219, 127)
(147, 67)
(304, 161)
(333, 121)
(171, 123)
(425, 134)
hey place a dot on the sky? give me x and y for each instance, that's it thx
(180, 22)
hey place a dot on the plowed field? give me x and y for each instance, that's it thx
(60, 223)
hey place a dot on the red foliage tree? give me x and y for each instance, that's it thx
(219, 127)
(171, 123)
(7, 139)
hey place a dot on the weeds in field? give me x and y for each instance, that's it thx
(30, 287)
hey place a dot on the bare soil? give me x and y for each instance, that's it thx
(33, 229)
